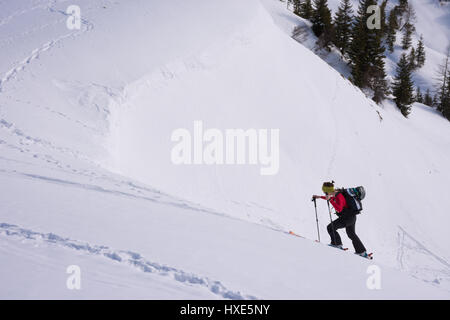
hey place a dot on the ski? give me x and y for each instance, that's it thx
(369, 255)
(294, 234)
(341, 248)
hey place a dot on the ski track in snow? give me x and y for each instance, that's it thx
(60, 114)
(437, 270)
(336, 130)
(421, 246)
(17, 132)
(18, 13)
(105, 183)
(131, 258)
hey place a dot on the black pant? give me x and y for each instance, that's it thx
(347, 221)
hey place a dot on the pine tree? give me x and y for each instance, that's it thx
(376, 68)
(367, 54)
(403, 86)
(445, 103)
(412, 59)
(407, 32)
(379, 85)
(391, 30)
(358, 48)
(442, 83)
(420, 53)
(418, 97)
(296, 6)
(403, 4)
(435, 101)
(408, 28)
(400, 9)
(343, 26)
(306, 10)
(428, 99)
(321, 20)
(383, 25)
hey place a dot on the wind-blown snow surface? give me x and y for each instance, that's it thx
(78, 105)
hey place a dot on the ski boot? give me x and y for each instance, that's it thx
(365, 255)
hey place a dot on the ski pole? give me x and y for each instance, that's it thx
(331, 220)
(317, 219)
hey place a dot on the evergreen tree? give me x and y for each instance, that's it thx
(343, 26)
(377, 73)
(407, 33)
(358, 49)
(400, 9)
(306, 10)
(428, 99)
(367, 54)
(442, 84)
(383, 25)
(379, 85)
(408, 27)
(403, 4)
(391, 30)
(435, 101)
(420, 53)
(412, 59)
(296, 6)
(403, 86)
(419, 97)
(321, 20)
(445, 103)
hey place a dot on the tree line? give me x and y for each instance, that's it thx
(364, 47)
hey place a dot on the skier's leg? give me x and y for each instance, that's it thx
(357, 244)
(332, 231)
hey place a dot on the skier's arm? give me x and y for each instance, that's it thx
(338, 202)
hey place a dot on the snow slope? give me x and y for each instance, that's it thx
(86, 178)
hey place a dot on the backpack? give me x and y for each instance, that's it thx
(353, 197)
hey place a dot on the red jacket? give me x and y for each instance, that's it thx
(338, 202)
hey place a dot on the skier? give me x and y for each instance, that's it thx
(346, 219)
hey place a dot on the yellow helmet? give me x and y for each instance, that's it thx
(328, 187)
